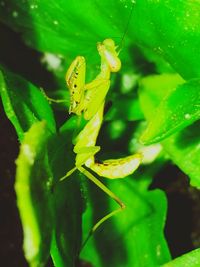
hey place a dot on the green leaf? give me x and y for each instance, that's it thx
(190, 259)
(183, 147)
(24, 104)
(134, 237)
(180, 108)
(32, 186)
(154, 88)
(171, 29)
(67, 198)
(125, 108)
(67, 26)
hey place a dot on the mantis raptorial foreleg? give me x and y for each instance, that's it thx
(84, 96)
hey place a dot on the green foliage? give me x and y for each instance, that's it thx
(46, 24)
(138, 237)
(24, 103)
(183, 146)
(191, 259)
(177, 110)
(158, 37)
(68, 199)
(33, 181)
(43, 202)
(171, 29)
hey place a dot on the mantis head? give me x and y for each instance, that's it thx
(107, 50)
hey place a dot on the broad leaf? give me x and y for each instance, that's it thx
(171, 29)
(71, 27)
(134, 237)
(180, 108)
(182, 147)
(67, 27)
(67, 199)
(33, 190)
(125, 108)
(190, 259)
(24, 104)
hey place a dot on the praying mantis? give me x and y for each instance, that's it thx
(89, 99)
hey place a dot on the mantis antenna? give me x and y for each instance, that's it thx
(127, 26)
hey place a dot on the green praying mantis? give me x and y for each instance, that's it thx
(89, 99)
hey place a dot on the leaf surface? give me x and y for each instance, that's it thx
(32, 186)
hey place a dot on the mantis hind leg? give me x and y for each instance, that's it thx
(110, 194)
